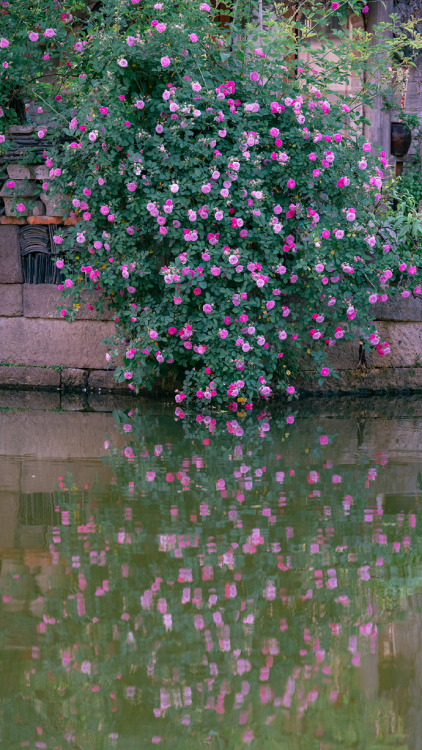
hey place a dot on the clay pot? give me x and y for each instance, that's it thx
(401, 138)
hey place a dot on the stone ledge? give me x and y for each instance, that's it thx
(11, 303)
(29, 377)
(36, 342)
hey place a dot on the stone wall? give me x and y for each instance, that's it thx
(39, 349)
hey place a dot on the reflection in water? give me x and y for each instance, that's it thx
(220, 584)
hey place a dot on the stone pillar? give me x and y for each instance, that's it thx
(378, 132)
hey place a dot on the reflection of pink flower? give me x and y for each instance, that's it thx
(323, 439)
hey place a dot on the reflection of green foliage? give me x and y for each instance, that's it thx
(166, 515)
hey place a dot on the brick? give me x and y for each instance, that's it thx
(30, 341)
(33, 377)
(73, 378)
(104, 380)
(42, 300)
(43, 220)
(13, 220)
(11, 303)
(10, 257)
(70, 221)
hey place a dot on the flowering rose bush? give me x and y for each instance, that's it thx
(223, 204)
(33, 38)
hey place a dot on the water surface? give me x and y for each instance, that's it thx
(249, 583)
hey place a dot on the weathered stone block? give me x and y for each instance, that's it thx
(42, 300)
(10, 257)
(11, 303)
(30, 341)
(33, 377)
(33, 207)
(405, 340)
(58, 205)
(21, 129)
(73, 378)
(104, 380)
(22, 171)
(408, 309)
(41, 172)
(21, 189)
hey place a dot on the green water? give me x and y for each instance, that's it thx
(248, 584)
